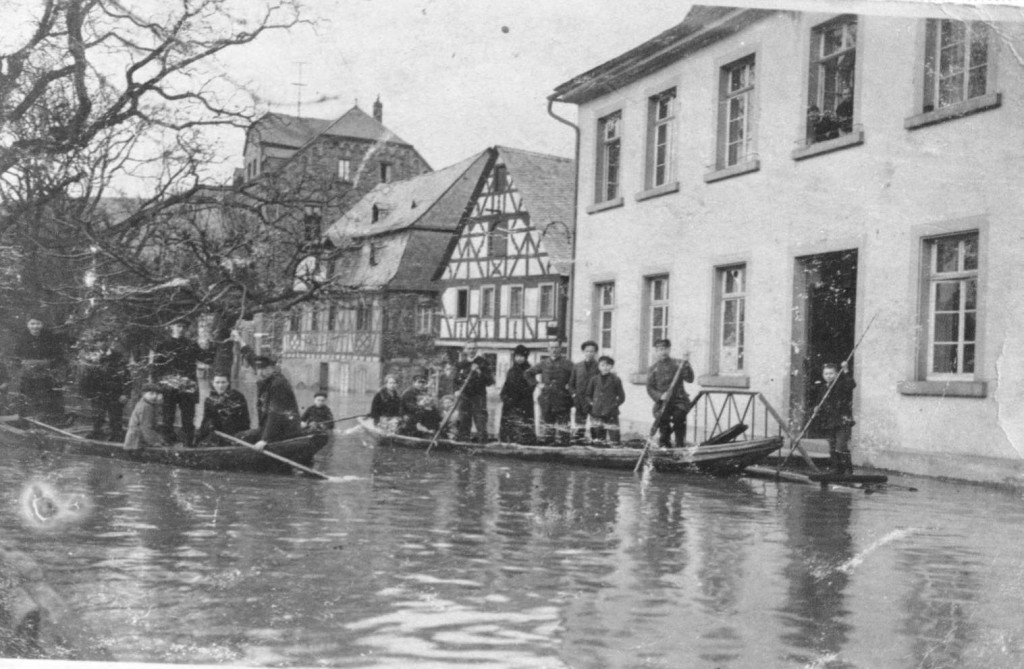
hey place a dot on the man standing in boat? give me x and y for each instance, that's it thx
(276, 406)
(555, 395)
(582, 373)
(174, 367)
(671, 404)
(40, 355)
(473, 371)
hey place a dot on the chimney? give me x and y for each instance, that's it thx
(378, 111)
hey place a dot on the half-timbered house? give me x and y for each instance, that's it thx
(505, 276)
(381, 314)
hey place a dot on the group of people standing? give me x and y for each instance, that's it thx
(170, 390)
(572, 396)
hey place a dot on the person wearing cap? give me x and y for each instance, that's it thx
(276, 406)
(517, 417)
(473, 371)
(173, 361)
(582, 373)
(673, 405)
(555, 395)
(317, 416)
(143, 425)
(411, 400)
(41, 355)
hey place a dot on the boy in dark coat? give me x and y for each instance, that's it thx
(835, 414)
(604, 396)
(386, 407)
(517, 424)
(475, 372)
(224, 410)
(582, 373)
(105, 382)
(555, 396)
(174, 367)
(318, 416)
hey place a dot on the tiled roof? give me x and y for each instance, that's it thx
(546, 184)
(296, 131)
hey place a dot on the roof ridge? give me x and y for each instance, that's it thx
(502, 147)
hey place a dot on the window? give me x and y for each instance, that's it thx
(462, 303)
(661, 134)
(385, 173)
(487, 306)
(515, 301)
(956, 62)
(656, 312)
(332, 317)
(364, 317)
(295, 319)
(831, 80)
(608, 150)
(546, 301)
(736, 120)
(345, 169)
(424, 319)
(500, 179)
(605, 298)
(952, 305)
(312, 217)
(731, 325)
(374, 253)
(314, 318)
(379, 213)
(497, 240)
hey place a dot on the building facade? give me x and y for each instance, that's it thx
(774, 189)
(504, 280)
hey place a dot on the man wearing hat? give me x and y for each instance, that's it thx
(143, 425)
(555, 395)
(473, 374)
(40, 354)
(582, 372)
(673, 403)
(276, 406)
(173, 362)
(517, 424)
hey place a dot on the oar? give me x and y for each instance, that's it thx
(342, 420)
(455, 405)
(53, 429)
(657, 417)
(814, 414)
(301, 468)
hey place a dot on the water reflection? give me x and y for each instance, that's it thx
(441, 560)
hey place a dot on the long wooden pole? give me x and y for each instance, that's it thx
(53, 429)
(301, 468)
(814, 414)
(657, 416)
(455, 404)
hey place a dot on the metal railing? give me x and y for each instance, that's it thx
(712, 412)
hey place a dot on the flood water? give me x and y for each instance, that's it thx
(441, 560)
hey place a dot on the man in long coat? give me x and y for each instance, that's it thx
(475, 372)
(582, 372)
(555, 395)
(174, 367)
(672, 403)
(41, 356)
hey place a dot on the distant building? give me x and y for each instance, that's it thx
(382, 312)
(505, 276)
(760, 186)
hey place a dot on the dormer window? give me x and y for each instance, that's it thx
(379, 213)
(345, 169)
(385, 173)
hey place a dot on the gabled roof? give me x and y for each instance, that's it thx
(547, 185)
(297, 131)
(702, 26)
(409, 243)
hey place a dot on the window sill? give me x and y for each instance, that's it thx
(855, 138)
(943, 388)
(972, 106)
(663, 189)
(734, 171)
(723, 381)
(608, 204)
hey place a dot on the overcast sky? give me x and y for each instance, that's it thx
(452, 79)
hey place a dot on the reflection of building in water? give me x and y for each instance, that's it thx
(819, 544)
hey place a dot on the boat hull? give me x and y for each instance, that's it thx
(720, 459)
(222, 458)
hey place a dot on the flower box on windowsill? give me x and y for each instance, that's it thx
(723, 381)
(734, 171)
(607, 204)
(854, 138)
(943, 388)
(663, 189)
(972, 106)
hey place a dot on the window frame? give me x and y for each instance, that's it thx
(819, 73)
(332, 316)
(962, 276)
(314, 318)
(606, 147)
(492, 306)
(364, 317)
(722, 299)
(651, 306)
(932, 89)
(312, 216)
(553, 311)
(345, 169)
(748, 92)
(519, 312)
(654, 125)
(386, 172)
(425, 319)
(462, 303)
(602, 308)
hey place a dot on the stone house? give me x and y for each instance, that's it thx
(771, 189)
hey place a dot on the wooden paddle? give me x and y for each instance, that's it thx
(455, 405)
(53, 429)
(657, 416)
(301, 468)
(342, 420)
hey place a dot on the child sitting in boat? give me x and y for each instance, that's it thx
(426, 420)
(318, 416)
(143, 426)
(451, 428)
(224, 410)
(604, 396)
(386, 408)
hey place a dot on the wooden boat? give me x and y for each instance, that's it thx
(715, 459)
(824, 479)
(301, 449)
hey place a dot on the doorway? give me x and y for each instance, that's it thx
(824, 325)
